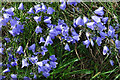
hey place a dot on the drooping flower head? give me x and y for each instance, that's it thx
(63, 6)
(20, 50)
(24, 63)
(117, 43)
(14, 76)
(37, 19)
(79, 21)
(99, 41)
(21, 6)
(99, 11)
(53, 58)
(96, 19)
(86, 42)
(91, 25)
(30, 11)
(48, 41)
(33, 59)
(10, 11)
(105, 19)
(6, 70)
(50, 10)
(32, 47)
(67, 47)
(41, 40)
(37, 8)
(47, 20)
(111, 62)
(105, 50)
(43, 8)
(38, 30)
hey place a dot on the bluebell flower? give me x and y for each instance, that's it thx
(2, 77)
(70, 39)
(10, 11)
(48, 41)
(46, 68)
(75, 35)
(67, 47)
(103, 34)
(21, 6)
(14, 76)
(38, 29)
(20, 50)
(50, 10)
(6, 70)
(50, 26)
(37, 19)
(74, 23)
(3, 9)
(44, 8)
(1, 50)
(99, 41)
(101, 27)
(91, 41)
(5, 15)
(32, 47)
(4, 22)
(47, 20)
(30, 11)
(27, 18)
(41, 40)
(63, 6)
(35, 77)
(24, 63)
(53, 32)
(86, 42)
(40, 64)
(26, 78)
(96, 19)
(36, 53)
(37, 8)
(85, 19)
(1, 64)
(72, 2)
(60, 22)
(105, 19)
(99, 11)
(53, 58)
(33, 59)
(65, 30)
(53, 64)
(79, 21)
(14, 63)
(13, 23)
(44, 49)
(17, 30)
(40, 69)
(76, 38)
(117, 43)
(105, 50)
(91, 25)
(59, 28)
(17, 18)
(111, 31)
(87, 35)
(46, 74)
(45, 61)
(111, 62)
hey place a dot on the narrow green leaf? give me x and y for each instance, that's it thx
(83, 71)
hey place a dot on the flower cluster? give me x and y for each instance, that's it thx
(95, 30)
